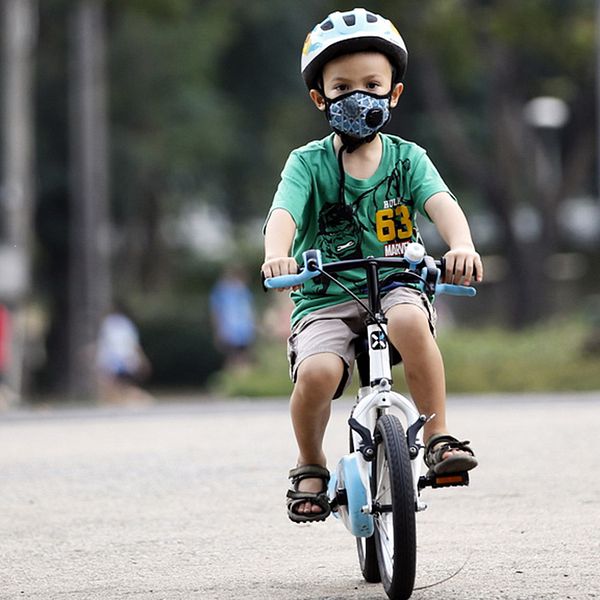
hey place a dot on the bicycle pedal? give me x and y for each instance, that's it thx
(434, 480)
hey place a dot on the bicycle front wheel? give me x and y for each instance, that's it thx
(365, 547)
(394, 509)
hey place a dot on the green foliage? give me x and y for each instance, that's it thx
(268, 376)
(179, 344)
(158, 9)
(206, 101)
(548, 357)
(545, 358)
(171, 121)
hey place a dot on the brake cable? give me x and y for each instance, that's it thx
(355, 297)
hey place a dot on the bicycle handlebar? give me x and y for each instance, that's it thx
(451, 289)
(313, 265)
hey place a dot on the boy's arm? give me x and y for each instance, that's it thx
(462, 261)
(279, 236)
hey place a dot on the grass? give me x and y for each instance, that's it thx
(547, 357)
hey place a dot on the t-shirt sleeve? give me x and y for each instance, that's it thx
(293, 190)
(425, 182)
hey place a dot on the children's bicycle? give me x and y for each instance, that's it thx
(375, 489)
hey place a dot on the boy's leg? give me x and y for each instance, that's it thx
(318, 377)
(410, 332)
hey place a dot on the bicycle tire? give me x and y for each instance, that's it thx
(365, 548)
(395, 533)
(367, 559)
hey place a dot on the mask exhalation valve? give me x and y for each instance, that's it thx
(374, 117)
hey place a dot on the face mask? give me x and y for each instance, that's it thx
(358, 116)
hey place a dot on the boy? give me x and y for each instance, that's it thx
(356, 193)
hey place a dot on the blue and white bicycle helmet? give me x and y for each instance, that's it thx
(352, 31)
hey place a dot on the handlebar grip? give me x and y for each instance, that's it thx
(285, 281)
(312, 261)
(451, 289)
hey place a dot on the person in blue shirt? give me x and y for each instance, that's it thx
(233, 318)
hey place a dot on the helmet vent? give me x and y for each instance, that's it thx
(326, 25)
(350, 20)
(371, 18)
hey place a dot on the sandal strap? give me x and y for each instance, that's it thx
(307, 496)
(320, 499)
(439, 444)
(309, 472)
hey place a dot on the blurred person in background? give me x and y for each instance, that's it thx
(233, 318)
(7, 396)
(277, 317)
(121, 362)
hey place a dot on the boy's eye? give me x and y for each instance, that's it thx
(341, 87)
(372, 85)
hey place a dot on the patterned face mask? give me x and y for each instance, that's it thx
(358, 115)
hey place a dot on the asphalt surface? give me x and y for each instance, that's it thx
(186, 501)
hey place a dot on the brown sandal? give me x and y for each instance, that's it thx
(320, 499)
(457, 462)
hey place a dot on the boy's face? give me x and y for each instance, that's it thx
(361, 71)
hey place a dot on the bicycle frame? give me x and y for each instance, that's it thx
(373, 401)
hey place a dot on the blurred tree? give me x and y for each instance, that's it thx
(172, 130)
(206, 101)
(476, 64)
(89, 249)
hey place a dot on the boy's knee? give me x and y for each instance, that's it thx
(320, 371)
(408, 319)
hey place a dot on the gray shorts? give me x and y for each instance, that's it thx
(334, 329)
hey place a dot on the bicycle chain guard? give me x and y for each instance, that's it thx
(348, 496)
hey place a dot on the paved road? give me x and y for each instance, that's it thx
(185, 501)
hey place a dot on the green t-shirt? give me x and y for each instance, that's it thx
(377, 219)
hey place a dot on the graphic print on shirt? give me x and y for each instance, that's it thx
(393, 222)
(388, 213)
(340, 232)
(340, 236)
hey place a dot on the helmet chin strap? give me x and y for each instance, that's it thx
(349, 145)
(342, 190)
(346, 210)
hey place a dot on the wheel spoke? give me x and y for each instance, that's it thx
(382, 479)
(383, 528)
(386, 543)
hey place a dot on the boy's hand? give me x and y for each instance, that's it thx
(463, 265)
(282, 265)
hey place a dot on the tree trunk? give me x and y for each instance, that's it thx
(89, 278)
(501, 175)
(16, 200)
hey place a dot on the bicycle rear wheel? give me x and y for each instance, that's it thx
(394, 506)
(367, 558)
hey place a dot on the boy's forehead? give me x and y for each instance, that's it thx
(358, 64)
